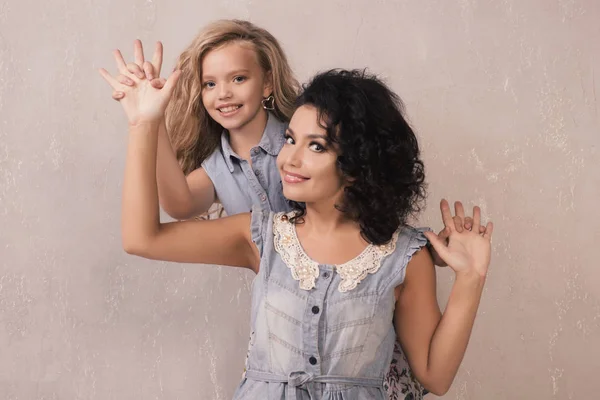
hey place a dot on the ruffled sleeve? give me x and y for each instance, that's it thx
(410, 240)
(416, 242)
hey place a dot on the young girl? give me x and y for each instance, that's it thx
(226, 120)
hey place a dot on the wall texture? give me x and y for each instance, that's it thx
(502, 93)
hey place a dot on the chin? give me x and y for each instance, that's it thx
(299, 196)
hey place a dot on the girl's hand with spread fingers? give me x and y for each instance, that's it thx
(144, 96)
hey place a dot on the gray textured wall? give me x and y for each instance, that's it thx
(502, 93)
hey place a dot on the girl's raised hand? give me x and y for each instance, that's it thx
(142, 93)
(467, 251)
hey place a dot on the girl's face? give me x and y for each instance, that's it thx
(233, 85)
(307, 163)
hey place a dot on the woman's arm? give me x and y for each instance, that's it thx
(224, 241)
(435, 344)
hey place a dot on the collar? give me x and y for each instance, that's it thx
(271, 142)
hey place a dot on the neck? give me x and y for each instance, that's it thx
(244, 138)
(325, 218)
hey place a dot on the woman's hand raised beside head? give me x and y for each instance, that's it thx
(467, 251)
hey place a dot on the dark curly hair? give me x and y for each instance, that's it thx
(378, 153)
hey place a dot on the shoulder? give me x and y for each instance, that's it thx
(214, 158)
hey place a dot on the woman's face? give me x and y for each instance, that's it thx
(307, 162)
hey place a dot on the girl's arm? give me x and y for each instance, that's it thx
(435, 344)
(181, 197)
(225, 241)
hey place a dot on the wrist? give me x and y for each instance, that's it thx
(470, 278)
(146, 122)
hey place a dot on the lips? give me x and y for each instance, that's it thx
(229, 109)
(290, 177)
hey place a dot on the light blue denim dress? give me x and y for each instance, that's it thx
(239, 185)
(321, 332)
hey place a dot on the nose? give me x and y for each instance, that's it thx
(295, 156)
(224, 91)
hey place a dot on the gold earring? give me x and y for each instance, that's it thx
(269, 103)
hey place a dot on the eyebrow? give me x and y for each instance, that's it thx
(310, 135)
(234, 72)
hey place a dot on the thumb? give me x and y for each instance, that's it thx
(438, 245)
(444, 234)
(171, 82)
(158, 83)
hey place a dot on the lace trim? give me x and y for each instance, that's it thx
(306, 270)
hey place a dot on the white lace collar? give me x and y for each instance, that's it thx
(306, 270)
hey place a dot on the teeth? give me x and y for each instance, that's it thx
(229, 109)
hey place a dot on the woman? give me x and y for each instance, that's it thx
(341, 276)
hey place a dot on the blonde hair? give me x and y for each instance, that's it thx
(193, 133)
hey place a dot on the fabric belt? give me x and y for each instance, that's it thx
(305, 380)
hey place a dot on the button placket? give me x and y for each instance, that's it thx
(314, 317)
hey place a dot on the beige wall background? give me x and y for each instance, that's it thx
(502, 93)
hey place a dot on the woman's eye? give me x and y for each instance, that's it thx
(289, 140)
(317, 147)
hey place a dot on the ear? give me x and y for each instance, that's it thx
(268, 85)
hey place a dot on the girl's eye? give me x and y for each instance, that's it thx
(288, 139)
(239, 79)
(317, 147)
(209, 84)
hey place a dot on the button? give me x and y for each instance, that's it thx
(257, 172)
(315, 310)
(312, 361)
(263, 197)
(325, 275)
(255, 150)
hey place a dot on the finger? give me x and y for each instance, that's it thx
(148, 70)
(468, 223)
(108, 78)
(489, 229)
(136, 70)
(138, 52)
(476, 217)
(125, 80)
(120, 61)
(118, 95)
(438, 245)
(458, 223)
(444, 234)
(446, 215)
(481, 229)
(157, 58)
(158, 83)
(171, 82)
(459, 209)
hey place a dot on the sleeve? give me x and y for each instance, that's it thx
(410, 240)
(258, 227)
(416, 242)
